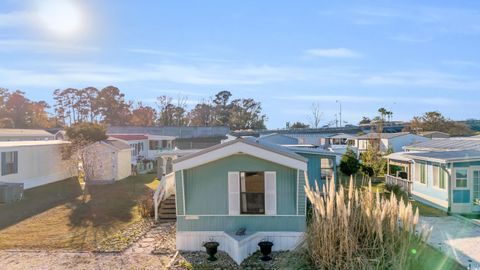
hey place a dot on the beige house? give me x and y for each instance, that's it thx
(108, 160)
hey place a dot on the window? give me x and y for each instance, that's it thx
(461, 178)
(442, 175)
(9, 163)
(476, 185)
(326, 168)
(252, 193)
(154, 145)
(423, 173)
(436, 176)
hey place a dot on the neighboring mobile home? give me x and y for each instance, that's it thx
(241, 184)
(444, 173)
(387, 141)
(33, 163)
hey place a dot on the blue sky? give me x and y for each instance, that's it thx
(407, 56)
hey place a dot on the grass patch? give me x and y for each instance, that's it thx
(471, 216)
(430, 258)
(428, 211)
(55, 217)
(378, 185)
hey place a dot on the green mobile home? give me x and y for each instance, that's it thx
(241, 184)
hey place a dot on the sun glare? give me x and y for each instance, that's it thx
(60, 17)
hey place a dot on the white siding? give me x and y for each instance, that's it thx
(38, 165)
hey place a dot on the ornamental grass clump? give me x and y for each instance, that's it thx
(359, 229)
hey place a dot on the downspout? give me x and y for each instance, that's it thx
(446, 166)
(413, 174)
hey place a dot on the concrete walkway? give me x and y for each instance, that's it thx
(456, 237)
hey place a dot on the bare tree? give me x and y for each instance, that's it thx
(316, 115)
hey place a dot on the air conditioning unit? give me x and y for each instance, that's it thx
(10, 192)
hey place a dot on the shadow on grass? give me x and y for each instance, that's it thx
(38, 200)
(105, 209)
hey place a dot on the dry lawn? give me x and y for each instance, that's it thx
(55, 217)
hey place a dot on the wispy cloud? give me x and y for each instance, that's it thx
(425, 78)
(73, 73)
(461, 63)
(43, 46)
(153, 52)
(16, 18)
(334, 53)
(177, 55)
(374, 99)
(411, 39)
(431, 19)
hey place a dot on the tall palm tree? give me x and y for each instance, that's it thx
(383, 113)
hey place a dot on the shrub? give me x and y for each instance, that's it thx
(349, 163)
(357, 229)
(146, 205)
(395, 189)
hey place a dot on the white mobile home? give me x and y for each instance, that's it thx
(33, 163)
(387, 141)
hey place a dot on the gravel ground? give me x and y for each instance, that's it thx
(155, 250)
(33, 260)
(198, 260)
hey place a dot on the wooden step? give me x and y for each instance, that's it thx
(168, 216)
(167, 211)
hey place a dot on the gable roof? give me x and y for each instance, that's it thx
(117, 144)
(31, 143)
(341, 136)
(267, 151)
(447, 144)
(375, 135)
(312, 150)
(446, 156)
(177, 132)
(18, 132)
(129, 137)
(432, 132)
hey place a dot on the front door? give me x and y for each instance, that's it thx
(476, 191)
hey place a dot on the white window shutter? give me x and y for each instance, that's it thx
(233, 193)
(270, 193)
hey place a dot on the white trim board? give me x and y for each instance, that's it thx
(238, 249)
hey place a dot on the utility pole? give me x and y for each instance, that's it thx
(340, 114)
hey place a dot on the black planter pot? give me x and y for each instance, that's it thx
(265, 249)
(211, 248)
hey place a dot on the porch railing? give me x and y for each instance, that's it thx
(405, 184)
(165, 189)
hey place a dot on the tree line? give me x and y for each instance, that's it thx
(109, 106)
